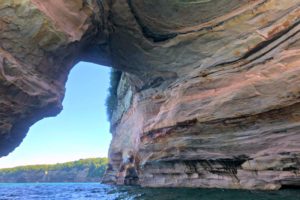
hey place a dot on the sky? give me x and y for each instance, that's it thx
(81, 130)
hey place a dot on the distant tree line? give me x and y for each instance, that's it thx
(97, 167)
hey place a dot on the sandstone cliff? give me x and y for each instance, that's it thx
(209, 96)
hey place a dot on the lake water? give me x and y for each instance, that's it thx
(91, 191)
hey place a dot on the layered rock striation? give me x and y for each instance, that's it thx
(209, 96)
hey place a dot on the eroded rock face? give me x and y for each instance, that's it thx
(210, 97)
(40, 42)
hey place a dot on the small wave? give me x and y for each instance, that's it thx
(96, 191)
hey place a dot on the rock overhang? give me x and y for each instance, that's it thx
(204, 81)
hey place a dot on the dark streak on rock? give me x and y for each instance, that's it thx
(155, 37)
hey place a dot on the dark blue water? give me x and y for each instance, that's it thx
(91, 191)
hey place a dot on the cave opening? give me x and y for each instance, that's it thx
(80, 131)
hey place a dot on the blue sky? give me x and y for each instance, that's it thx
(81, 130)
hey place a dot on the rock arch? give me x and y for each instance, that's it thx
(209, 97)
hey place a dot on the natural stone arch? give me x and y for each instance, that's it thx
(204, 80)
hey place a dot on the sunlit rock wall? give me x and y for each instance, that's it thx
(220, 107)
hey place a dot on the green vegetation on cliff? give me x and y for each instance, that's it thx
(89, 170)
(112, 99)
